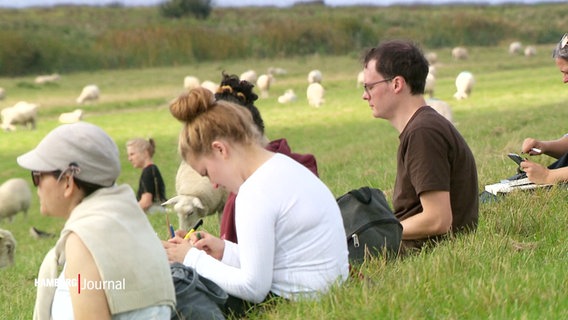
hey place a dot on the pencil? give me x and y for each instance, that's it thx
(197, 225)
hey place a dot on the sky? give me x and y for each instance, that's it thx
(232, 3)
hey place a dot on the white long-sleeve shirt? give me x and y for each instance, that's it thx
(291, 237)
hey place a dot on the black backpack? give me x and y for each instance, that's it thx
(370, 226)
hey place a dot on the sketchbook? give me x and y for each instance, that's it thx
(506, 186)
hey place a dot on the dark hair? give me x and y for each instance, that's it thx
(87, 187)
(400, 58)
(238, 91)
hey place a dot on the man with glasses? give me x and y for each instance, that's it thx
(557, 171)
(435, 193)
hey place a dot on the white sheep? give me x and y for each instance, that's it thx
(275, 71)
(2, 93)
(190, 82)
(287, 97)
(530, 51)
(360, 79)
(464, 85)
(15, 196)
(315, 76)
(210, 85)
(430, 84)
(249, 76)
(431, 57)
(263, 84)
(459, 53)
(49, 78)
(71, 117)
(89, 93)
(23, 113)
(315, 94)
(515, 47)
(442, 107)
(196, 197)
(7, 248)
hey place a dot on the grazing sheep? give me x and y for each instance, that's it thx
(430, 84)
(431, 57)
(263, 84)
(288, 96)
(7, 248)
(459, 53)
(432, 70)
(249, 75)
(210, 85)
(196, 197)
(15, 196)
(2, 93)
(276, 71)
(71, 117)
(442, 107)
(89, 93)
(360, 79)
(464, 85)
(23, 113)
(51, 78)
(530, 51)
(515, 48)
(190, 82)
(315, 76)
(315, 94)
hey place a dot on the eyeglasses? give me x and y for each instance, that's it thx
(369, 86)
(36, 176)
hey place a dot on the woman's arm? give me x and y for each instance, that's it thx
(87, 303)
(145, 201)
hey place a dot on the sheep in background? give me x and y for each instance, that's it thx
(23, 113)
(315, 76)
(360, 79)
(89, 93)
(7, 248)
(196, 197)
(249, 75)
(263, 84)
(15, 196)
(430, 84)
(190, 82)
(2, 93)
(210, 85)
(71, 117)
(43, 79)
(431, 57)
(432, 70)
(442, 107)
(459, 53)
(315, 94)
(275, 71)
(530, 51)
(515, 48)
(464, 85)
(288, 96)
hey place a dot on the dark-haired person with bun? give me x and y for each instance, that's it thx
(558, 148)
(291, 237)
(151, 187)
(99, 267)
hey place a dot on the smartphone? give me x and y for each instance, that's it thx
(517, 158)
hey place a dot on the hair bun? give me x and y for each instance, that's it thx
(189, 106)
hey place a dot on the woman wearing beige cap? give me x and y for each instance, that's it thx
(99, 267)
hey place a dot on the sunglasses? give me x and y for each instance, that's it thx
(36, 176)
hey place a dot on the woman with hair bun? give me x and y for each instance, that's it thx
(291, 236)
(151, 187)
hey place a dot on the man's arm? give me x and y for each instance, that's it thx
(435, 219)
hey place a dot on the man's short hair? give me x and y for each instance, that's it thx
(400, 58)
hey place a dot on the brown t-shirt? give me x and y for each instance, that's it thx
(433, 156)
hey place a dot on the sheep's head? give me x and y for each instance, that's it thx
(7, 248)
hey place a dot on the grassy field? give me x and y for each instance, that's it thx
(514, 267)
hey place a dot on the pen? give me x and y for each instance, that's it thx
(199, 223)
(172, 233)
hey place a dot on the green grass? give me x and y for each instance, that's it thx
(514, 267)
